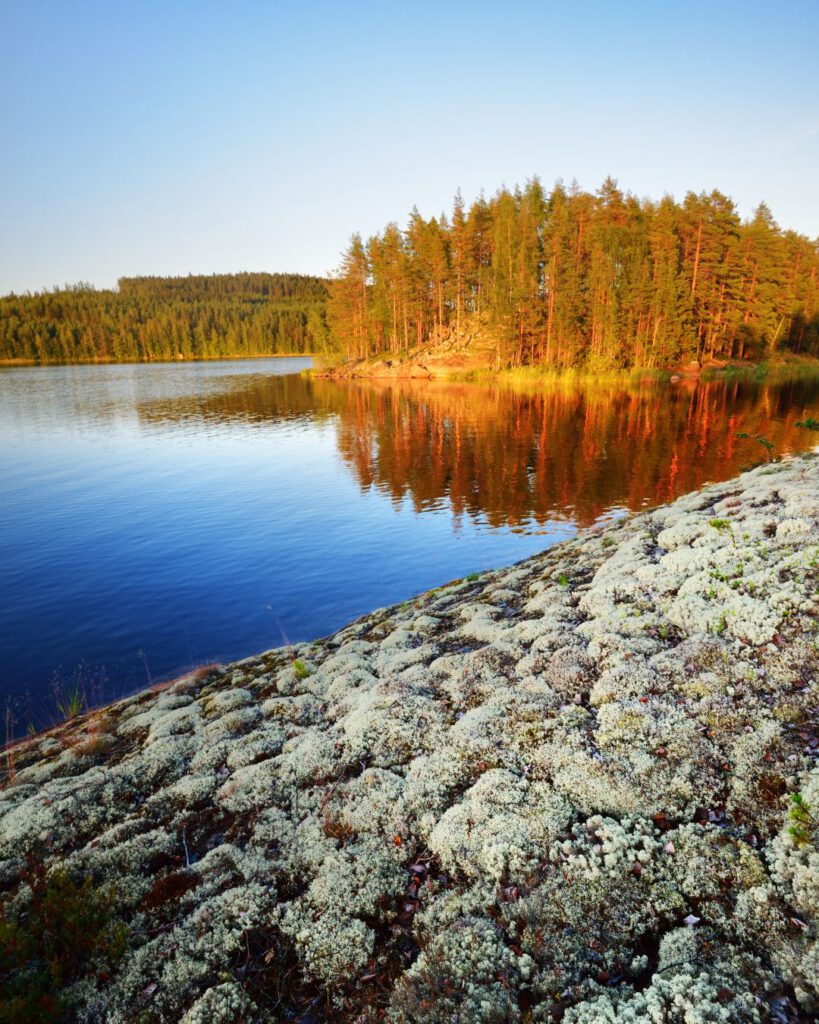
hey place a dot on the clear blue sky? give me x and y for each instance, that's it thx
(178, 137)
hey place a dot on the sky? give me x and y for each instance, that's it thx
(197, 137)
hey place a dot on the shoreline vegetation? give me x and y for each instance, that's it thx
(581, 787)
(526, 281)
(419, 366)
(572, 279)
(175, 359)
(461, 366)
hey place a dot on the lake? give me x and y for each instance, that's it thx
(158, 517)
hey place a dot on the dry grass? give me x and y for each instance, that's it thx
(194, 677)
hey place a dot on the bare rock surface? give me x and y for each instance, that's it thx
(447, 353)
(562, 790)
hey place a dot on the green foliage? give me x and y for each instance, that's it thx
(72, 704)
(563, 580)
(766, 444)
(65, 930)
(155, 318)
(724, 526)
(568, 279)
(472, 577)
(301, 670)
(808, 424)
(802, 821)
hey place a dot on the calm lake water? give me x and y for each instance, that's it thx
(157, 517)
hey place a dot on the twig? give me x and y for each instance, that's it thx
(185, 848)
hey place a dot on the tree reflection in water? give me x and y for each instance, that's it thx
(519, 458)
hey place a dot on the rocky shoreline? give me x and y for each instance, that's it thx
(582, 788)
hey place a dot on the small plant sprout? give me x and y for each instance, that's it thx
(724, 526)
(563, 579)
(808, 424)
(301, 670)
(766, 444)
(802, 821)
(472, 577)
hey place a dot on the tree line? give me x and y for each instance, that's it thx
(572, 278)
(159, 318)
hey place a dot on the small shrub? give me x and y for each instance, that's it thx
(301, 670)
(65, 928)
(802, 821)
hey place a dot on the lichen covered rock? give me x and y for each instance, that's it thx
(580, 788)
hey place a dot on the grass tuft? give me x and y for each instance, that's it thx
(301, 670)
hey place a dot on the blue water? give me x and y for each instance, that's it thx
(158, 517)
(140, 535)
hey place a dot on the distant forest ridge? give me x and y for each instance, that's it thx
(155, 318)
(570, 278)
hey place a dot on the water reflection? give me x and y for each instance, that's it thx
(157, 517)
(521, 458)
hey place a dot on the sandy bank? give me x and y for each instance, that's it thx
(559, 791)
